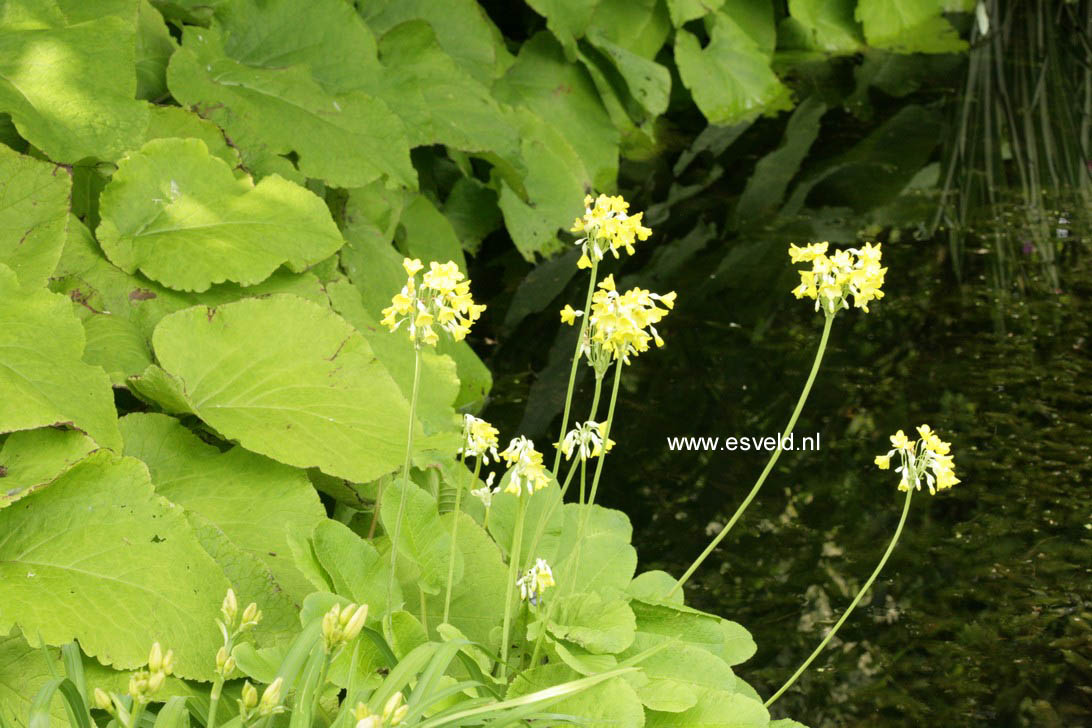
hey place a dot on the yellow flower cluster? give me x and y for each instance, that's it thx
(534, 581)
(607, 226)
(442, 300)
(622, 324)
(586, 440)
(927, 457)
(525, 467)
(143, 684)
(833, 279)
(479, 439)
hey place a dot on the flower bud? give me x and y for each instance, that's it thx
(372, 721)
(167, 667)
(250, 695)
(221, 658)
(155, 658)
(251, 616)
(356, 622)
(360, 712)
(103, 701)
(230, 607)
(399, 715)
(271, 698)
(155, 682)
(229, 666)
(392, 705)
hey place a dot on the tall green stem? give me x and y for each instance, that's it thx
(405, 476)
(605, 431)
(513, 566)
(454, 531)
(214, 701)
(549, 513)
(576, 363)
(856, 599)
(769, 465)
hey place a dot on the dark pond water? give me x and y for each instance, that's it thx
(983, 616)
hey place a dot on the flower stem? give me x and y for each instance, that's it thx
(769, 465)
(856, 599)
(513, 566)
(405, 477)
(214, 701)
(606, 435)
(454, 530)
(576, 363)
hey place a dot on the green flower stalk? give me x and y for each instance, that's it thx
(929, 458)
(831, 281)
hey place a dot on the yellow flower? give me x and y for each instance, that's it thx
(607, 226)
(833, 279)
(586, 440)
(479, 439)
(569, 314)
(525, 467)
(442, 301)
(623, 324)
(534, 581)
(926, 459)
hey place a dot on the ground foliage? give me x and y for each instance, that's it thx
(204, 206)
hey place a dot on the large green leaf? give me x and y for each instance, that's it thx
(33, 216)
(423, 543)
(601, 625)
(908, 26)
(355, 569)
(290, 380)
(23, 672)
(683, 11)
(43, 380)
(566, 19)
(826, 25)
(99, 557)
(255, 501)
(69, 93)
(462, 28)
(31, 459)
(544, 82)
(120, 311)
(179, 215)
(347, 139)
(605, 560)
(438, 101)
(610, 704)
(663, 621)
(715, 709)
(154, 47)
(730, 78)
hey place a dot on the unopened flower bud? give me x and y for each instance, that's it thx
(230, 607)
(356, 622)
(392, 705)
(221, 658)
(155, 682)
(103, 701)
(271, 698)
(155, 658)
(251, 616)
(360, 712)
(249, 696)
(167, 666)
(399, 715)
(372, 721)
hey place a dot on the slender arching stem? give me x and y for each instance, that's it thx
(513, 567)
(454, 531)
(405, 476)
(849, 610)
(605, 431)
(576, 363)
(769, 464)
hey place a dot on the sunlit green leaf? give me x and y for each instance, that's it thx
(43, 381)
(598, 624)
(33, 458)
(610, 704)
(180, 216)
(908, 26)
(33, 216)
(84, 559)
(715, 709)
(423, 543)
(290, 380)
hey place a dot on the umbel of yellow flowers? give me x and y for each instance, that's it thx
(607, 226)
(621, 324)
(927, 457)
(833, 279)
(524, 466)
(442, 300)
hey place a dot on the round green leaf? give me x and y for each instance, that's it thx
(179, 215)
